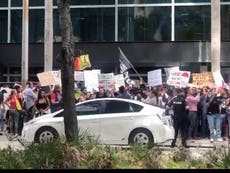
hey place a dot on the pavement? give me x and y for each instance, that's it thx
(5, 143)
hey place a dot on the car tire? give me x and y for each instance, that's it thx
(45, 134)
(141, 136)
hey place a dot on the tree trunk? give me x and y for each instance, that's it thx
(67, 70)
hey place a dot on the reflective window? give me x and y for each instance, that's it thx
(3, 26)
(89, 108)
(4, 3)
(36, 25)
(192, 23)
(225, 22)
(89, 24)
(144, 24)
(225, 0)
(18, 3)
(142, 1)
(16, 26)
(56, 26)
(89, 2)
(192, 1)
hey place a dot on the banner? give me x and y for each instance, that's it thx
(82, 62)
(154, 77)
(106, 80)
(118, 81)
(91, 79)
(78, 75)
(202, 79)
(178, 78)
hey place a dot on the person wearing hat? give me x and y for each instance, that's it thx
(178, 105)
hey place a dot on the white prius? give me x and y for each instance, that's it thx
(111, 120)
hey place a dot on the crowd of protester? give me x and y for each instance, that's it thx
(198, 112)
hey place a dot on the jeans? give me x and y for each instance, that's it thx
(214, 125)
(192, 122)
(14, 117)
(228, 117)
(2, 123)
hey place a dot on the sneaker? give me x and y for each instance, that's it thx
(219, 140)
(211, 140)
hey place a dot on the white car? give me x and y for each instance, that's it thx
(114, 120)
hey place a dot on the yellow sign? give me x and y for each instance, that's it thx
(202, 79)
(84, 61)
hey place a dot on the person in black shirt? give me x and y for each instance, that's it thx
(180, 116)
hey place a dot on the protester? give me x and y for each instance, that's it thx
(192, 100)
(2, 111)
(56, 98)
(42, 104)
(29, 98)
(123, 94)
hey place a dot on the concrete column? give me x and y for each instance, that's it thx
(215, 35)
(48, 38)
(25, 42)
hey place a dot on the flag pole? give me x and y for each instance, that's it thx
(141, 79)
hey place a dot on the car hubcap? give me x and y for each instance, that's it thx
(141, 138)
(46, 136)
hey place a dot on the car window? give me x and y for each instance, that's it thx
(89, 108)
(121, 107)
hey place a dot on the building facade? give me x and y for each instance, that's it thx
(152, 33)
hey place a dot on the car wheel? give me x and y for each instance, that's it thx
(141, 136)
(45, 134)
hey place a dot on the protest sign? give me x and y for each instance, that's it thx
(91, 79)
(105, 80)
(178, 78)
(118, 81)
(46, 78)
(202, 79)
(78, 75)
(154, 78)
(218, 78)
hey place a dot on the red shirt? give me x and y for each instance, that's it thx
(12, 101)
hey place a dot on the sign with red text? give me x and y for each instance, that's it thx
(179, 78)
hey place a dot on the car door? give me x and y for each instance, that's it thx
(116, 121)
(87, 115)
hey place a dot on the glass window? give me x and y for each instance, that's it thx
(89, 24)
(16, 3)
(16, 26)
(144, 24)
(56, 26)
(225, 0)
(90, 2)
(192, 1)
(93, 24)
(143, 1)
(36, 25)
(89, 108)
(3, 26)
(36, 2)
(192, 23)
(115, 106)
(4, 3)
(225, 22)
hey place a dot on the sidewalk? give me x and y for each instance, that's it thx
(5, 143)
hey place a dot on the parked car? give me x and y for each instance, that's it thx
(112, 120)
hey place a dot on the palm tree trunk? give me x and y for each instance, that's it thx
(67, 70)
